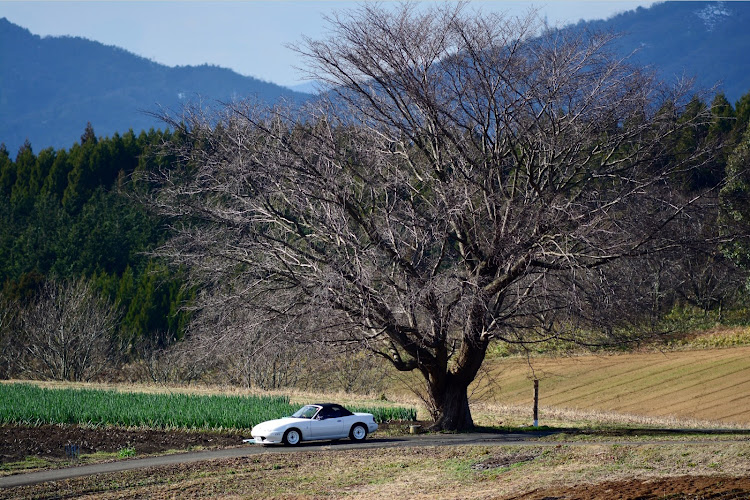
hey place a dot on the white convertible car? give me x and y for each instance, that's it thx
(315, 422)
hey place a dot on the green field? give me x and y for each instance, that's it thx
(32, 405)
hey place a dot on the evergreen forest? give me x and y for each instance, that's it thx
(71, 214)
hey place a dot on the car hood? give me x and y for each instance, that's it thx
(280, 422)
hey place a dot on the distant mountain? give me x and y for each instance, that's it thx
(709, 41)
(307, 87)
(51, 87)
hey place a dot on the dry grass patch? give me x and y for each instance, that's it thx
(516, 416)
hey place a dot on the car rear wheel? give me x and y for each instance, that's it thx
(358, 432)
(292, 437)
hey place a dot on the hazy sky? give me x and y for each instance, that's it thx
(249, 37)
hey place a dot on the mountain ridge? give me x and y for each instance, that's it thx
(707, 41)
(51, 87)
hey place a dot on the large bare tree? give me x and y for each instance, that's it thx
(466, 178)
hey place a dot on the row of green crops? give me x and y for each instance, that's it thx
(31, 405)
(386, 414)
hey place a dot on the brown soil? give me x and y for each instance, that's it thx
(672, 488)
(50, 441)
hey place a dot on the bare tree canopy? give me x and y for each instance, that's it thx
(467, 178)
(65, 333)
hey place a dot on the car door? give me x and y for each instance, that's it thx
(327, 425)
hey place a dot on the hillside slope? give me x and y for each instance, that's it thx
(708, 41)
(711, 385)
(51, 87)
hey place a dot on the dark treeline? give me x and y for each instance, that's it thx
(70, 214)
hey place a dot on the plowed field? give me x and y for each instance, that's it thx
(707, 385)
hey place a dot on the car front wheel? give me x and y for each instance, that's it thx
(358, 432)
(292, 437)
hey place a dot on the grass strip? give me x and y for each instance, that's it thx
(31, 405)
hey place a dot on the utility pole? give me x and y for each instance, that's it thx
(536, 403)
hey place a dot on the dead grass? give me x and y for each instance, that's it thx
(517, 416)
(716, 338)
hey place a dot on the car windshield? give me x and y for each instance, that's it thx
(306, 412)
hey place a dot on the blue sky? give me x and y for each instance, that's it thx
(249, 37)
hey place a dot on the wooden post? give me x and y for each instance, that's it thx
(536, 403)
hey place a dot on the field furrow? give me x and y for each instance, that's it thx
(703, 384)
(684, 386)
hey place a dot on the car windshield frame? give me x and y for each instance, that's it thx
(307, 411)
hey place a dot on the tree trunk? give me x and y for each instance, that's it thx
(451, 405)
(449, 391)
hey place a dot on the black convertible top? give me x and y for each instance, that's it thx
(329, 410)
